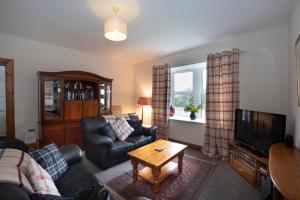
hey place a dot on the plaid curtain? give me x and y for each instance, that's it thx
(222, 99)
(160, 98)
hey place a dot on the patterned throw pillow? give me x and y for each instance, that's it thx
(122, 128)
(50, 158)
(108, 131)
(41, 181)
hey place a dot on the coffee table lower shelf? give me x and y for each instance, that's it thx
(146, 173)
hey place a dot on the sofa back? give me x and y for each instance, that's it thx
(92, 124)
(13, 143)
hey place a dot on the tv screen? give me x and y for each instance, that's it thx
(259, 130)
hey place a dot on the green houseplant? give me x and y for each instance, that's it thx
(192, 108)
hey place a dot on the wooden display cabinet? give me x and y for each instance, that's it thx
(248, 164)
(67, 96)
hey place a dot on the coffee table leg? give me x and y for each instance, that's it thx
(156, 173)
(180, 157)
(134, 169)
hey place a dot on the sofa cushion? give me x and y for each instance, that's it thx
(41, 181)
(107, 130)
(120, 148)
(72, 181)
(139, 141)
(137, 125)
(50, 158)
(122, 128)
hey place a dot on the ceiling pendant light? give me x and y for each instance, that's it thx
(115, 27)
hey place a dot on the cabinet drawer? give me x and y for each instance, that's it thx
(56, 137)
(72, 126)
(73, 138)
(51, 129)
(74, 131)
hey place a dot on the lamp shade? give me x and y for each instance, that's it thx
(115, 28)
(144, 101)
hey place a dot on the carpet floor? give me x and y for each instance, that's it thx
(185, 186)
(224, 183)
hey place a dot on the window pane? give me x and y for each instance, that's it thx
(180, 100)
(204, 79)
(183, 82)
(187, 81)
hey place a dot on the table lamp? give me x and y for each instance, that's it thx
(144, 101)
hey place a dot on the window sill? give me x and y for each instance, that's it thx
(187, 119)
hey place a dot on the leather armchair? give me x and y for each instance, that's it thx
(102, 151)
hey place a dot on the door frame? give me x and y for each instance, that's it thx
(10, 104)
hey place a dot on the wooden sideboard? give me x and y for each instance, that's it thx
(67, 96)
(284, 167)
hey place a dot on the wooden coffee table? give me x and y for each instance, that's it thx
(159, 164)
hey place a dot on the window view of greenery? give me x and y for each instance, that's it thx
(188, 82)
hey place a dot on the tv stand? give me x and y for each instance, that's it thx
(254, 168)
(258, 153)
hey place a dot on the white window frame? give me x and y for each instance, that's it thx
(197, 92)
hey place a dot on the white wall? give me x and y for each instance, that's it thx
(31, 56)
(263, 75)
(294, 31)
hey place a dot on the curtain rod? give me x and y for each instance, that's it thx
(197, 61)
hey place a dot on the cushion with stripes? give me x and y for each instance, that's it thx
(50, 158)
(41, 181)
(13, 168)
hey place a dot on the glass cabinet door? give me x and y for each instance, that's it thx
(52, 100)
(105, 98)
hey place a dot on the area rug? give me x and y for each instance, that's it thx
(187, 185)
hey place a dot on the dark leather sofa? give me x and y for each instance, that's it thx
(102, 151)
(70, 183)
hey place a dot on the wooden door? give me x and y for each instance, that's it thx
(73, 109)
(7, 113)
(90, 108)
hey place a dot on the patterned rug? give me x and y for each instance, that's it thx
(187, 186)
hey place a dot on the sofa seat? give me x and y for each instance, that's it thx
(139, 141)
(72, 181)
(120, 148)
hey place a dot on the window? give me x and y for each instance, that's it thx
(188, 81)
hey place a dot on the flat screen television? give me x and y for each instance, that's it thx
(259, 130)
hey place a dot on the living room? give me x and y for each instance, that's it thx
(63, 38)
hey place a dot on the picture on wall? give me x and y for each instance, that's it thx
(297, 51)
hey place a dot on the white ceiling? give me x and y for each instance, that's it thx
(155, 27)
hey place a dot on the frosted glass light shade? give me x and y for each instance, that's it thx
(115, 28)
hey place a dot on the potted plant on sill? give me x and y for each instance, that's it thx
(192, 108)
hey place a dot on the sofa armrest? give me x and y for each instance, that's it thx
(150, 131)
(13, 192)
(98, 139)
(72, 153)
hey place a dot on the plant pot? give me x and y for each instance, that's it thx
(193, 116)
